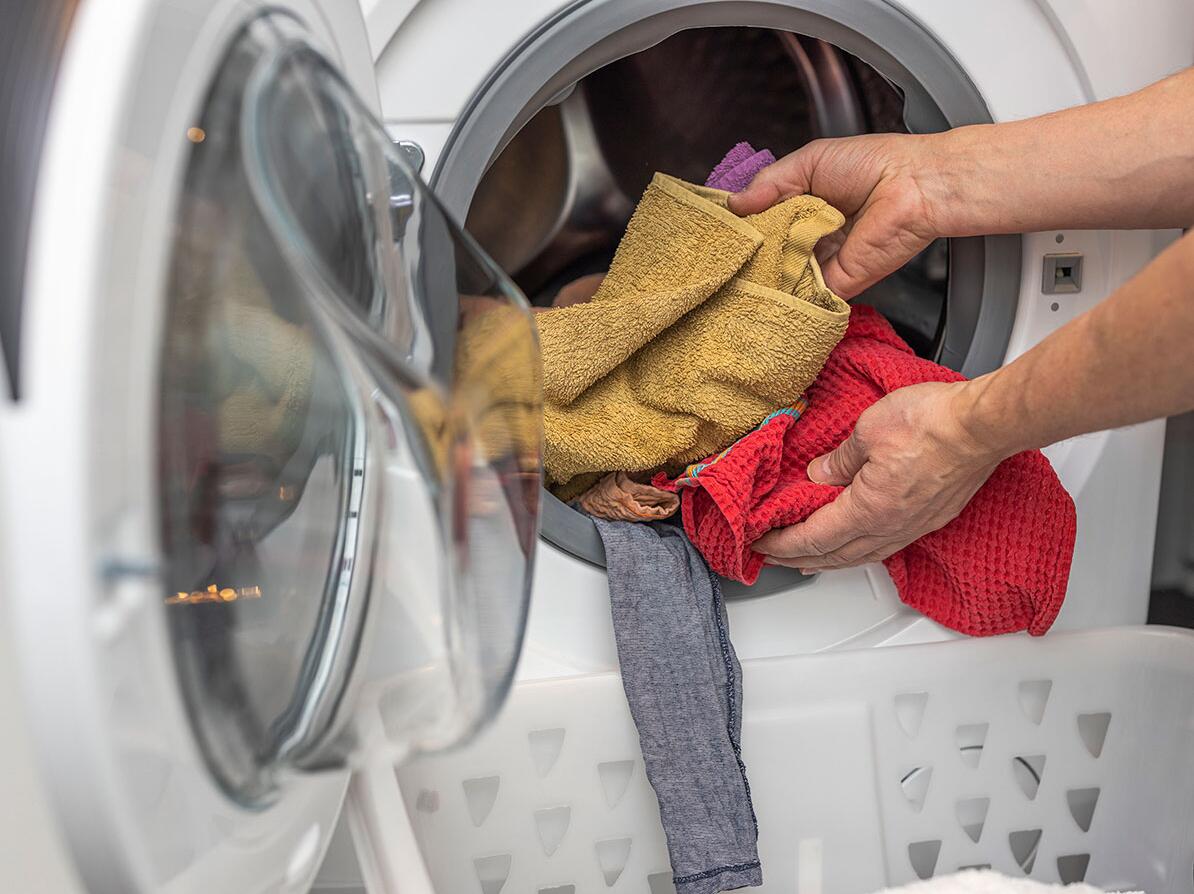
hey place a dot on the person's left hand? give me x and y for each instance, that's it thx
(909, 467)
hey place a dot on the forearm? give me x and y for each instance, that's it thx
(1125, 361)
(1122, 163)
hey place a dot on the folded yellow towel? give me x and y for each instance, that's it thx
(705, 324)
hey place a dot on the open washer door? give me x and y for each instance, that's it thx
(271, 471)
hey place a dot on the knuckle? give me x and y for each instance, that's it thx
(812, 546)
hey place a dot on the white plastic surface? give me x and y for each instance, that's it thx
(1025, 56)
(1063, 758)
(569, 630)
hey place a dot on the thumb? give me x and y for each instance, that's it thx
(761, 194)
(877, 244)
(852, 269)
(840, 465)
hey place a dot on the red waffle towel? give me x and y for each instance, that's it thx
(999, 567)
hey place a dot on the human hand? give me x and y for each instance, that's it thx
(885, 184)
(909, 467)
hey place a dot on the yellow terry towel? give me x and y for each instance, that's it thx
(705, 324)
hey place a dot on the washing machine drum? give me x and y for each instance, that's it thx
(636, 93)
(326, 465)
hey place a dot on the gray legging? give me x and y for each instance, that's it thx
(684, 686)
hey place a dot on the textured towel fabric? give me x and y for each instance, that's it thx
(1000, 566)
(734, 172)
(684, 686)
(692, 473)
(705, 324)
(619, 497)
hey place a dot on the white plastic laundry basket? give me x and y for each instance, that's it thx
(1065, 758)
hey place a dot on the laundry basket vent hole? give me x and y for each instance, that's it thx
(910, 711)
(427, 801)
(480, 795)
(558, 889)
(971, 738)
(1034, 696)
(1024, 845)
(552, 823)
(612, 855)
(975, 866)
(661, 883)
(915, 785)
(1093, 729)
(972, 816)
(1082, 803)
(615, 779)
(545, 748)
(492, 872)
(923, 857)
(1028, 769)
(1071, 868)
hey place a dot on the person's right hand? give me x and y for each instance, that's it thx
(885, 184)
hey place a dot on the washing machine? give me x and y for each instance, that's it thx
(271, 519)
(539, 123)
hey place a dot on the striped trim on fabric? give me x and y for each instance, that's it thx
(693, 472)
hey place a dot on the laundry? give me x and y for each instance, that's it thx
(705, 324)
(1001, 566)
(684, 687)
(622, 498)
(734, 172)
(987, 882)
(619, 497)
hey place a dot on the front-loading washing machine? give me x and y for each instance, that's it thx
(252, 472)
(540, 122)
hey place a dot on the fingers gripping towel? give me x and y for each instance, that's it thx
(705, 323)
(684, 687)
(1000, 566)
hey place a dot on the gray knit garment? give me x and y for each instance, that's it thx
(684, 686)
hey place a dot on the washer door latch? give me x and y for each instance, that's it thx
(1061, 273)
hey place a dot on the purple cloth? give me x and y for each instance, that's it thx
(734, 172)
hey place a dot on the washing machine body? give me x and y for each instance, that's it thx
(536, 121)
(230, 582)
(490, 75)
(268, 511)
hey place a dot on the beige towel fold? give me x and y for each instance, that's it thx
(619, 497)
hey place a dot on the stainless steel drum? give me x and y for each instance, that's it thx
(555, 201)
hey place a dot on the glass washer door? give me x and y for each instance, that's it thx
(349, 436)
(265, 505)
